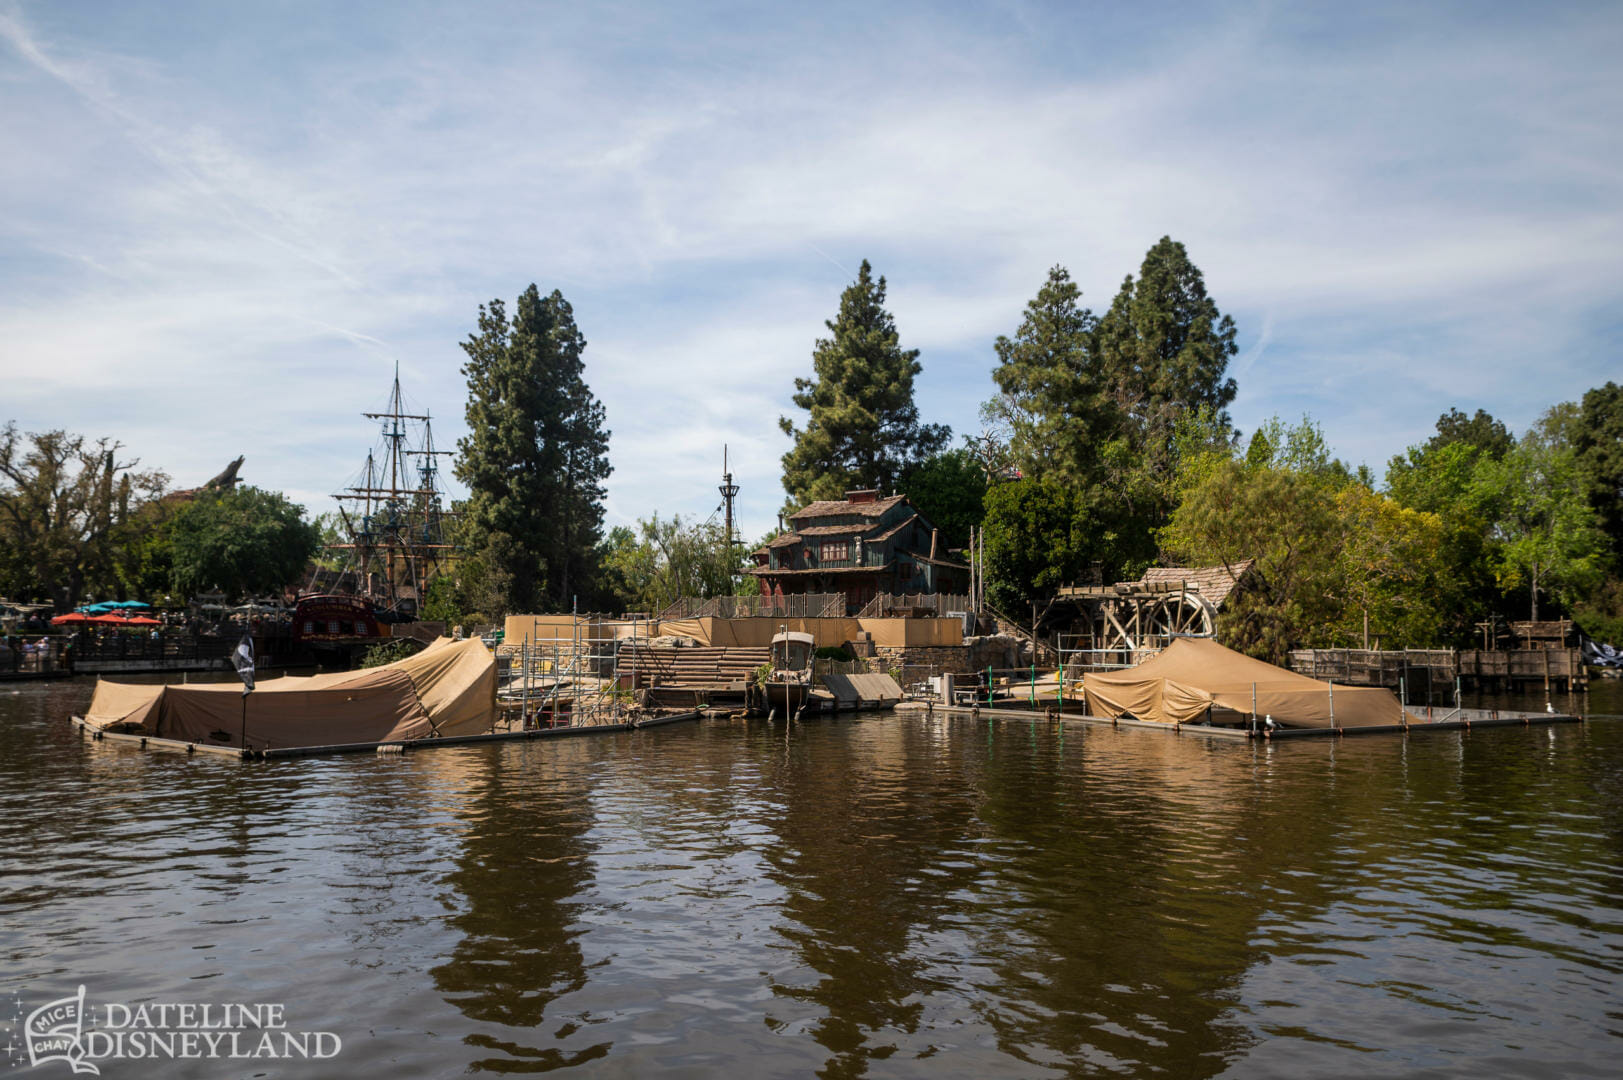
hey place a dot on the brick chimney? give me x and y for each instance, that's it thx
(863, 495)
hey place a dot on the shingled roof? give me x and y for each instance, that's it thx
(1214, 583)
(845, 507)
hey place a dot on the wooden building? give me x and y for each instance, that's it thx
(861, 546)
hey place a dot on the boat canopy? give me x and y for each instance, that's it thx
(447, 689)
(1193, 675)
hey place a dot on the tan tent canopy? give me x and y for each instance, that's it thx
(447, 689)
(1196, 674)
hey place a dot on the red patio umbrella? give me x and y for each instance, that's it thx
(141, 620)
(108, 620)
(70, 617)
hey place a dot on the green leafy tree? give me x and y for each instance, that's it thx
(242, 541)
(665, 559)
(862, 428)
(1443, 477)
(1389, 571)
(536, 455)
(69, 509)
(1037, 539)
(1548, 537)
(950, 490)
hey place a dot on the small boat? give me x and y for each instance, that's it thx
(790, 682)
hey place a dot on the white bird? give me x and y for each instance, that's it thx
(1549, 708)
(1269, 720)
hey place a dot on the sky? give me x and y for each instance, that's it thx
(222, 226)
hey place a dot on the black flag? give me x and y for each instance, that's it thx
(244, 659)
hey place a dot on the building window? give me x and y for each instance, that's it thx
(835, 551)
(332, 627)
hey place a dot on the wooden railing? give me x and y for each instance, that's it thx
(797, 606)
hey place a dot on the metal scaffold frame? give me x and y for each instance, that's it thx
(573, 681)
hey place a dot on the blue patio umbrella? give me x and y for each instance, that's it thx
(129, 604)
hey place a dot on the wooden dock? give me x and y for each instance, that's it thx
(1439, 720)
(1429, 674)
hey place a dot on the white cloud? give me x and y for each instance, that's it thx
(1417, 217)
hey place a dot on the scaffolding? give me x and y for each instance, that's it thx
(570, 681)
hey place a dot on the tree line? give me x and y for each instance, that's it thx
(77, 519)
(1107, 447)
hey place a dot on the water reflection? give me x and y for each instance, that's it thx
(523, 863)
(897, 896)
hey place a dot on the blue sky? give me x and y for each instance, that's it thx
(222, 225)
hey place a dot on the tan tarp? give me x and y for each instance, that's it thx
(447, 689)
(1194, 674)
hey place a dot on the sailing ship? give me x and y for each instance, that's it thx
(393, 537)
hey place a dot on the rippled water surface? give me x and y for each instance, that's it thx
(890, 896)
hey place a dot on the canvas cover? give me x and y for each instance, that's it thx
(447, 689)
(1194, 674)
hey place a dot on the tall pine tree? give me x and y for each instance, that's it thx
(1163, 350)
(1050, 393)
(862, 428)
(536, 453)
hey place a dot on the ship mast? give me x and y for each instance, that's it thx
(400, 541)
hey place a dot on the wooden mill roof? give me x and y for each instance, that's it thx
(1214, 583)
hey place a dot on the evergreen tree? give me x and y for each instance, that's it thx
(1163, 349)
(1050, 396)
(1482, 431)
(1598, 442)
(536, 453)
(862, 428)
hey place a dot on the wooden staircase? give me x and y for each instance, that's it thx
(689, 677)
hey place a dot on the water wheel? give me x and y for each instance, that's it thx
(1187, 613)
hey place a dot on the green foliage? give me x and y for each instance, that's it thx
(1597, 444)
(536, 455)
(1487, 435)
(69, 512)
(664, 559)
(1329, 552)
(1548, 538)
(441, 603)
(1124, 409)
(949, 489)
(1052, 397)
(833, 652)
(862, 429)
(1036, 541)
(242, 541)
(1163, 349)
(387, 652)
(1600, 614)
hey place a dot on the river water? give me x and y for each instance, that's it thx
(887, 896)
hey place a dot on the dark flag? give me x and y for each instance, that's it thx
(244, 659)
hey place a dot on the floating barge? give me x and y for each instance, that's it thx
(1452, 720)
(153, 742)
